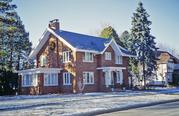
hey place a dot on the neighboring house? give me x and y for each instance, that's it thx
(66, 61)
(166, 66)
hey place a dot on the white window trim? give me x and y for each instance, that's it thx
(87, 56)
(34, 82)
(119, 61)
(68, 76)
(50, 76)
(107, 76)
(120, 80)
(66, 56)
(84, 78)
(43, 60)
(108, 56)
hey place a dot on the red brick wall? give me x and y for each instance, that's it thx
(76, 67)
(105, 63)
(66, 88)
(52, 55)
(55, 61)
(40, 88)
(87, 67)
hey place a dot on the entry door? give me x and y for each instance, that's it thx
(112, 77)
(108, 78)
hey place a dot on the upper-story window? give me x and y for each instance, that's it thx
(66, 56)
(88, 57)
(66, 78)
(43, 60)
(118, 59)
(29, 80)
(107, 55)
(88, 77)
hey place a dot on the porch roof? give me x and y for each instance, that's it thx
(110, 68)
(40, 70)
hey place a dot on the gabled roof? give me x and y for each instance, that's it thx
(84, 42)
(80, 42)
(162, 55)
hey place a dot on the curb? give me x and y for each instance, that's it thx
(98, 112)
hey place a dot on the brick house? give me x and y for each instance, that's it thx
(67, 62)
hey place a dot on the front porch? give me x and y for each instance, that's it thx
(39, 81)
(113, 78)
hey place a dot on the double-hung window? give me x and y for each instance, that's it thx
(29, 80)
(118, 59)
(107, 55)
(43, 60)
(66, 56)
(66, 78)
(50, 79)
(88, 57)
(88, 77)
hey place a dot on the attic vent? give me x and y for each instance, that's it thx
(54, 24)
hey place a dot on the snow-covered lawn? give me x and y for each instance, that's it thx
(57, 104)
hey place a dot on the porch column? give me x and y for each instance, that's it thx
(108, 78)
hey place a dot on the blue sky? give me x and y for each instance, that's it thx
(89, 16)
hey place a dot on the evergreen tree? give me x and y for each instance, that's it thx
(14, 39)
(109, 32)
(143, 42)
(5, 28)
(124, 38)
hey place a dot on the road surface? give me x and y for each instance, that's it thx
(168, 109)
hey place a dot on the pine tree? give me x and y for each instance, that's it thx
(5, 28)
(109, 32)
(143, 42)
(124, 38)
(14, 39)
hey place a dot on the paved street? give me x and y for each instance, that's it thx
(169, 109)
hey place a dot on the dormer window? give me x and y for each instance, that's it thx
(88, 57)
(108, 56)
(118, 59)
(43, 60)
(66, 56)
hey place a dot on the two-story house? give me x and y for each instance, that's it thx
(166, 66)
(66, 62)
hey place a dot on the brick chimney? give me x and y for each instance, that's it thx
(54, 24)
